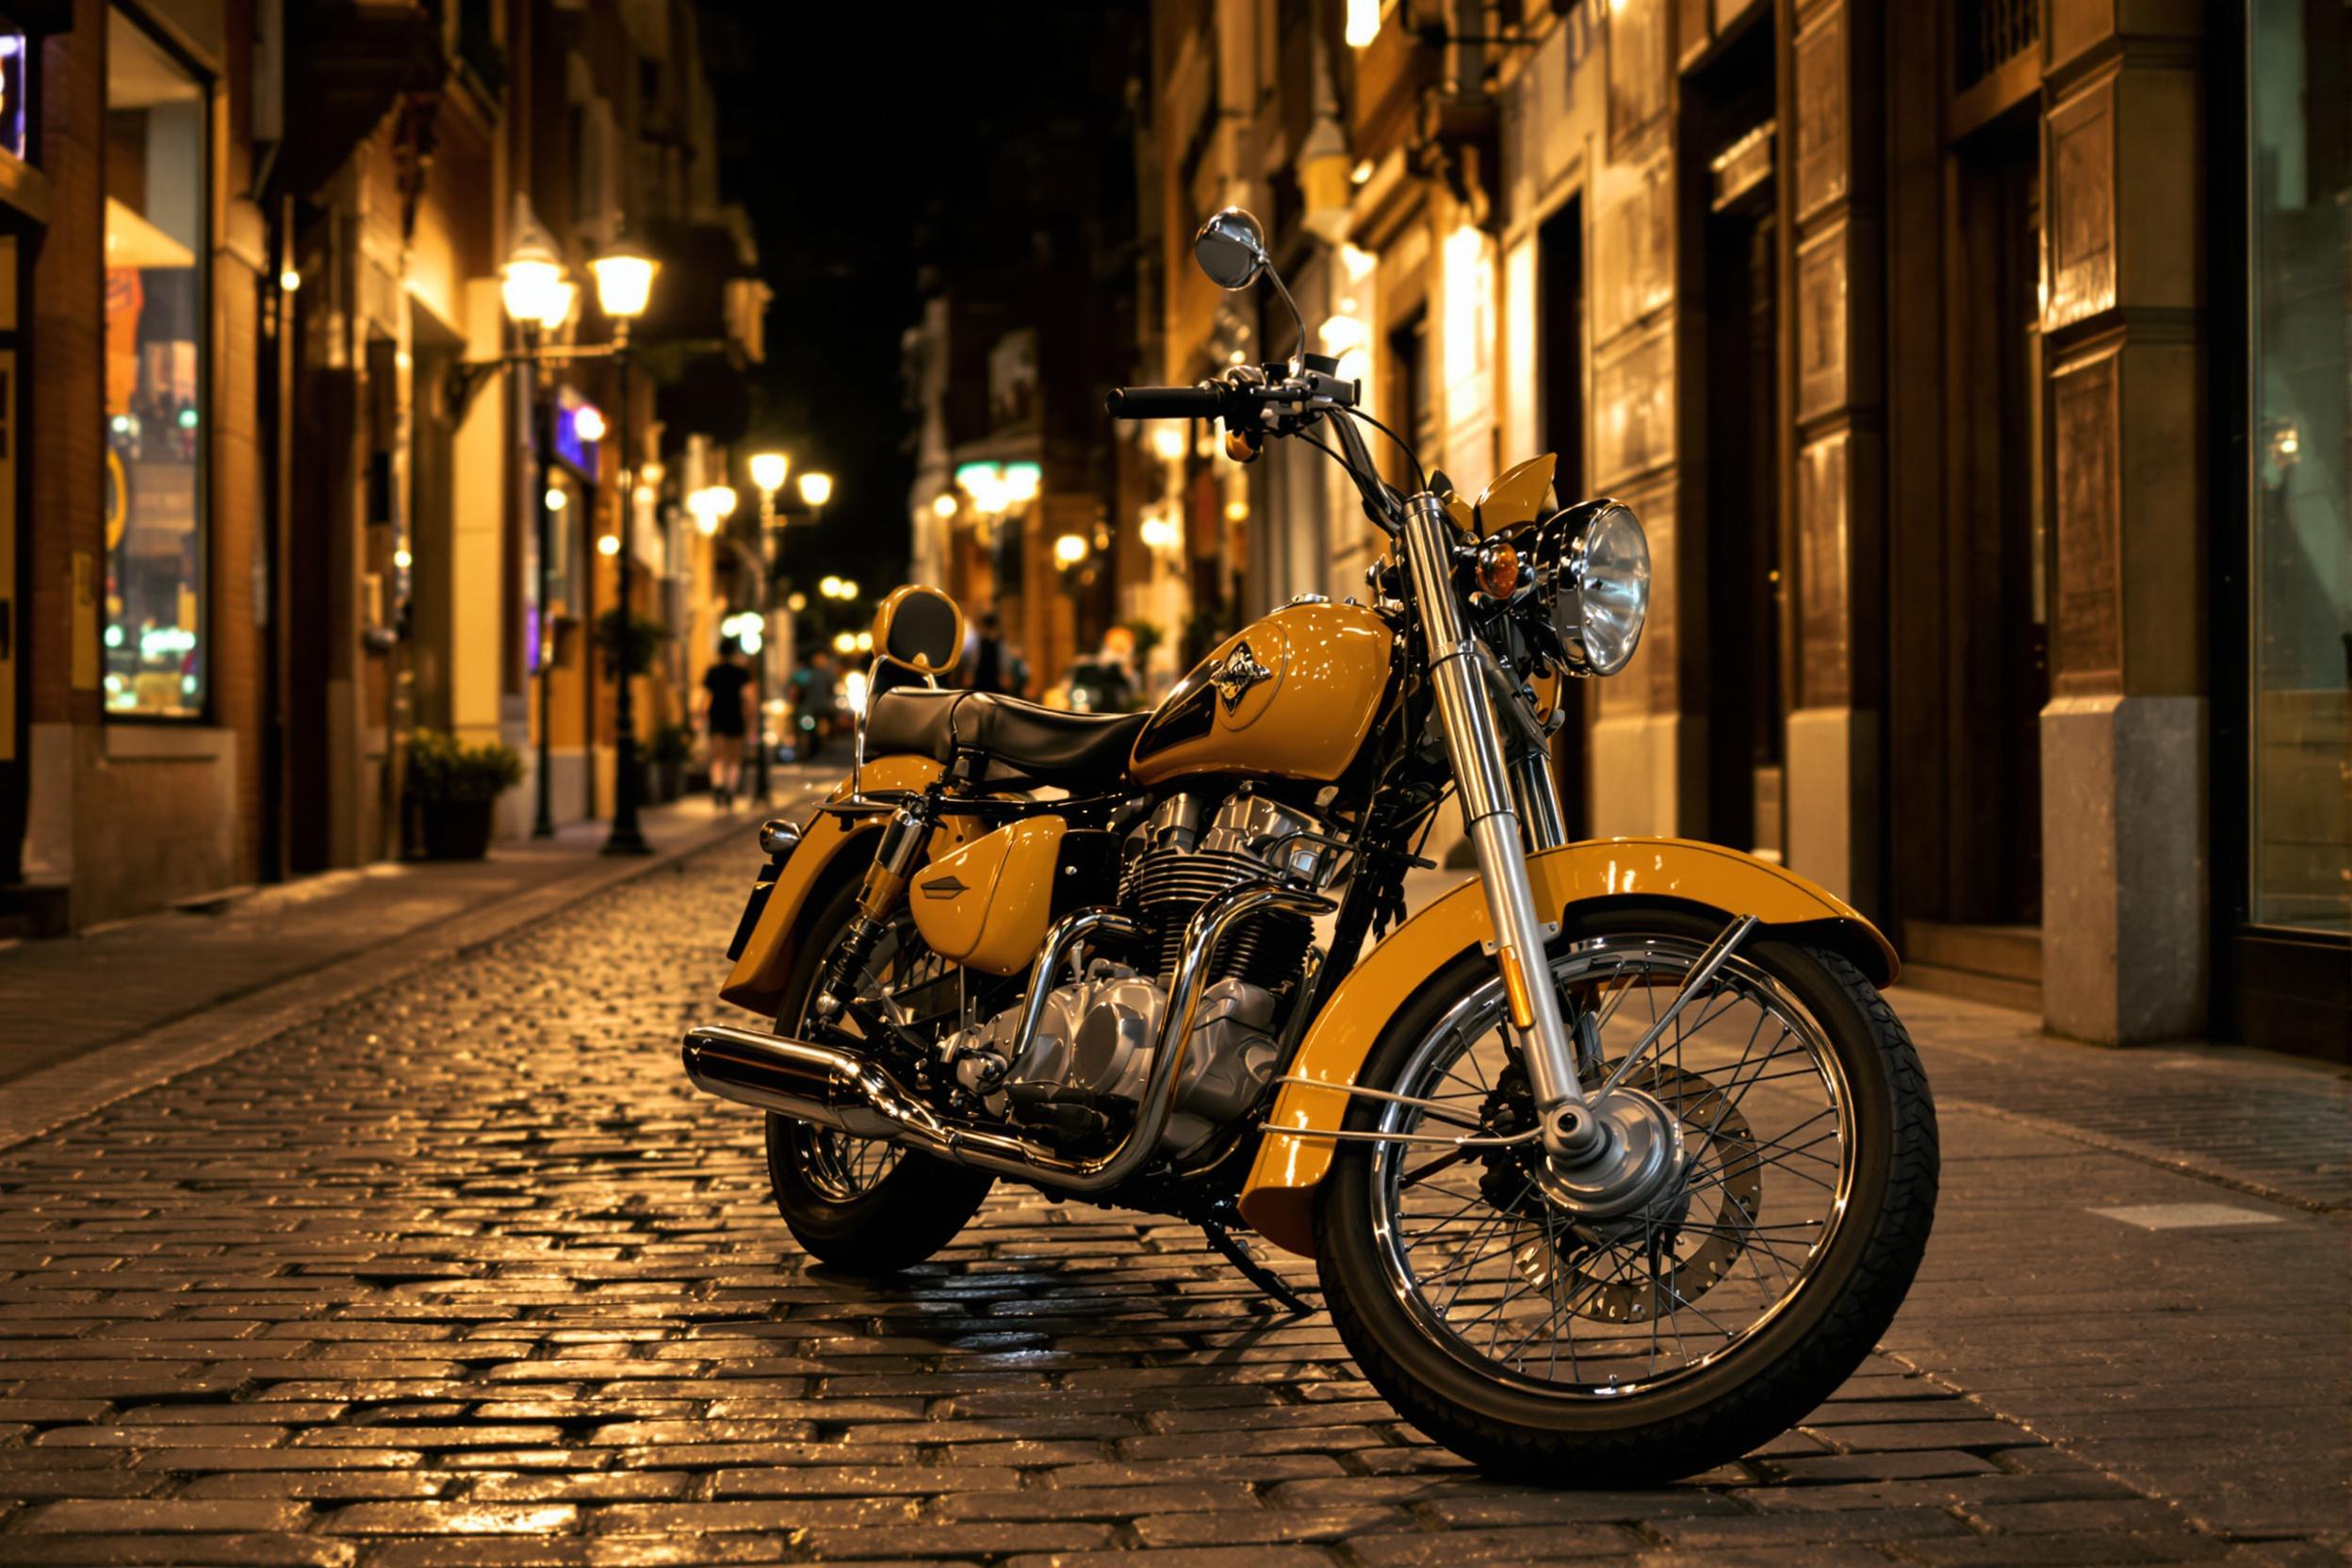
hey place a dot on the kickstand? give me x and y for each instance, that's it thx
(1254, 1271)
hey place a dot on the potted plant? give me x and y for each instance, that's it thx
(453, 789)
(667, 753)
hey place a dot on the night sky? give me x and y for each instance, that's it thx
(860, 138)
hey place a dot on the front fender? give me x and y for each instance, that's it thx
(758, 977)
(1279, 1197)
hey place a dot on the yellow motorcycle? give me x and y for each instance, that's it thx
(1613, 1162)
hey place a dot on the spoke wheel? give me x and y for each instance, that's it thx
(1501, 1272)
(1624, 1324)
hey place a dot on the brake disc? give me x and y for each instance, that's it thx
(1641, 1265)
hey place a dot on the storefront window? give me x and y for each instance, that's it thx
(156, 653)
(2300, 536)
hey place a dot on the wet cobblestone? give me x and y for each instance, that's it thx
(462, 1273)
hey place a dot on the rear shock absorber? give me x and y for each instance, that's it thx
(903, 841)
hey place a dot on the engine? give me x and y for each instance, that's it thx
(1082, 1075)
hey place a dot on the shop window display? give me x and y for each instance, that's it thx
(155, 239)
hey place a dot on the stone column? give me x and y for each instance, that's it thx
(2124, 737)
(1647, 744)
(1832, 254)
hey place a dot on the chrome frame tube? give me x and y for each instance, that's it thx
(836, 1087)
(1474, 747)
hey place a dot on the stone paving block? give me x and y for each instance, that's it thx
(579, 1552)
(450, 1518)
(1773, 1530)
(883, 1543)
(1481, 1547)
(122, 1516)
(2064, 1551)
(34, 1485)
(1266, 1526)
(178, 1551)
(324, 1486)
(624, 1486)
(1100, 1502)
(1186, 1556)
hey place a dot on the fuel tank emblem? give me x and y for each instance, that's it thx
(1237, 674)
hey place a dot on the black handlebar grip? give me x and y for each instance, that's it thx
(1164, 403)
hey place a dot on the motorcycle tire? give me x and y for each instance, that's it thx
(1519, 1427)
(915, 1207)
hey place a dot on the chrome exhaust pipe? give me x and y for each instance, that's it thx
(829, 1086)
(821, 1085)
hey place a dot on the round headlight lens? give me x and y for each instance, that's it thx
(1610, 566)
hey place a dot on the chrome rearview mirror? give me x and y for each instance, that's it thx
(1230, 249)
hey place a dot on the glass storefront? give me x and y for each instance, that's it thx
(2300, 535)
(155, 239)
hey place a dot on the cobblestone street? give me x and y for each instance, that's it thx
(460, 1272)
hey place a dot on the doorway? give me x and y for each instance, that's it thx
(1747, 711)
(15, 783)
(1560, 368)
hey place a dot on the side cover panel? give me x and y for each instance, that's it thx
(989, 904)
(757, 981)
(1279, 1197)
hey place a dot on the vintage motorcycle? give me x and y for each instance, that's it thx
(1613, 1162)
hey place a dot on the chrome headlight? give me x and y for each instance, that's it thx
(1592, 580)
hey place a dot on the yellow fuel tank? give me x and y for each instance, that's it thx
(1291, 696)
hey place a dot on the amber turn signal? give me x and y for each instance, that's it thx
(1498, 572)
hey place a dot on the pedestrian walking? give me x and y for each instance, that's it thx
(723, 686)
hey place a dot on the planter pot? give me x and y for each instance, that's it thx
(455, 829)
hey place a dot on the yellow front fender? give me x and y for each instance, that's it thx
(1279, 1197)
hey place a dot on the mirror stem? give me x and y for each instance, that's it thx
(1280, 287)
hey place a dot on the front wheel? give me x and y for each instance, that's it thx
(1564, 1329)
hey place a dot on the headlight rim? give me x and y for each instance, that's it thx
(1563, 544)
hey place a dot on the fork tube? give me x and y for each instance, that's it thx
(1538, 791)
(1475, 746)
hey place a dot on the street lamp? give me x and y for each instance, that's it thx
(538, 298)
(815, 490)
(624, 276)
(768, 470)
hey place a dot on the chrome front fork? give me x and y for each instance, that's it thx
(1474, 744)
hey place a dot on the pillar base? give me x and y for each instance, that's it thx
(2124, 878)
(1644, 774)
(1832, 792)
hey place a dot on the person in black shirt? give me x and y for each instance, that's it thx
(723, 712)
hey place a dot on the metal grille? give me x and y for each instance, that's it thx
(1993, 33)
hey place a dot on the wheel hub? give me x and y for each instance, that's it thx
(1675, 1262)
(1639, 1157)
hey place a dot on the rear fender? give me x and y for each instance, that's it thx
(830, 848)
(1279, 1197)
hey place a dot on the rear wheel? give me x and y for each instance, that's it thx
(858, 1205)
(1581, 1334)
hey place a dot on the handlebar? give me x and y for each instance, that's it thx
(1165, 402)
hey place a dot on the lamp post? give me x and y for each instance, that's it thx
(624, 276)
(537, 296)
(767, 476)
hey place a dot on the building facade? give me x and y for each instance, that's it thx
(1978, 369)
(266, 509)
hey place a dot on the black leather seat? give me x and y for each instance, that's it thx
(1020, 739)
